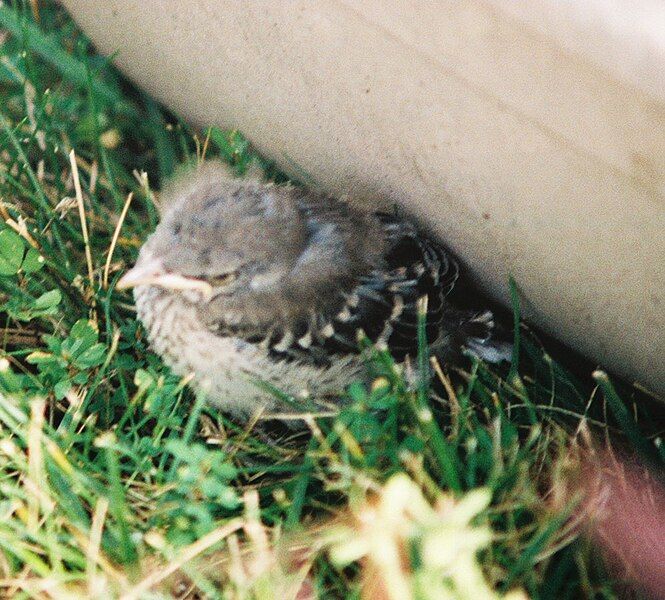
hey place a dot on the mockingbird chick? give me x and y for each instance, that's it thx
(244, 282)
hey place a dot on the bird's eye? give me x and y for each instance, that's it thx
(220, 280)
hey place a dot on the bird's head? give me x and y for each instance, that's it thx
(244, 250)
(219, 235)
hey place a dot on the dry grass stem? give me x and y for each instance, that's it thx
(82, 216)
(184, 556)
(114, 240)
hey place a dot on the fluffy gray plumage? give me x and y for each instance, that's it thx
(244, 282)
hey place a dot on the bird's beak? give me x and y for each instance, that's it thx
(152, 272)
(143, 273)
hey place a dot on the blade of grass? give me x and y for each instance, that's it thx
(118, 504)
(515, 357)
(534, 548)
(443, 451)
(300, 488)
(52, 51)
(625, 420)
(184, 556)
(41, 198)
(163, 142)
(114, 240)
(103, 154)
(82, 217)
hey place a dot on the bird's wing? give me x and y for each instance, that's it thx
(383, 304)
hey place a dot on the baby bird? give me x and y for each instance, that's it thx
(244, 282)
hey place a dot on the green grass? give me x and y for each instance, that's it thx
(115, 482)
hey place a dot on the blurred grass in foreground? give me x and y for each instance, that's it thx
(114, 482)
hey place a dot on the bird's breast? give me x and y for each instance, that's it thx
(227, 369)
(222, 366)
